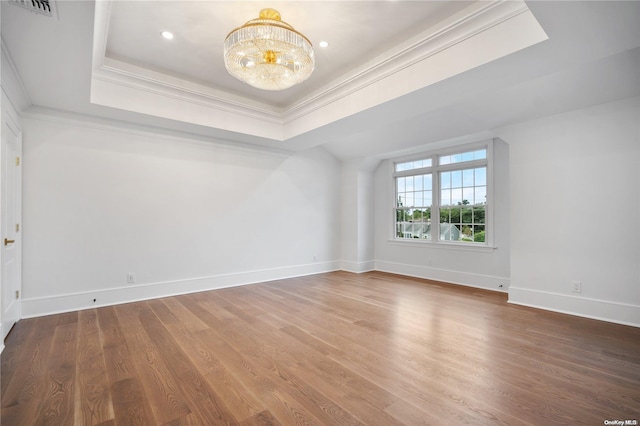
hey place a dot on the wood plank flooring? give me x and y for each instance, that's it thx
(329, 349)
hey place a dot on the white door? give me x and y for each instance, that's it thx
(10, 214)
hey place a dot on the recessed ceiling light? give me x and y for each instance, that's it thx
(167, 35)
(323, 43)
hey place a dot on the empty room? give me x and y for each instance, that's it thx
(320, 212)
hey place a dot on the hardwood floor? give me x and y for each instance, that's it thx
(330, 349)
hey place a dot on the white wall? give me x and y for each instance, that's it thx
(575, 190)
(183, 215)
(186, 215)
(488, 268)
(357, 228)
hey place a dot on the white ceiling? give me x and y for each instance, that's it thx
(592, 55)
(356, 31)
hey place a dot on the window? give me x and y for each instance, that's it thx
(444, 196)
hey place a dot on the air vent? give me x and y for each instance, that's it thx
(43, 7)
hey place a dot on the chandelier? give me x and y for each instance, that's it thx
(268, 53)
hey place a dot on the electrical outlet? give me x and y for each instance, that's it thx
(576, 286)
(131, 278)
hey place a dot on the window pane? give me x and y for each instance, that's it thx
(408, 199)
(428, 199)
(467, 196)
(480, 195)
(480, 154)
(411, 191)
(478, 214)
(427, 182)
(449, 232)
(445, 180)
(413, 223)
(466, 215)
(418, 199)
(417, 182)
(481, 176)
(454, 215)
(445, 197)
(411, 165)
(467, 177)
(456, 179)
(456, 196)
(445, 215)
(409, 183)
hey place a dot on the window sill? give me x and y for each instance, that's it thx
(443, 245)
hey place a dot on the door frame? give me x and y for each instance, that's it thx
(11, 123)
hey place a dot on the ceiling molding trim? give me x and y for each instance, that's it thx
(101, 18)
(468, 23)
(12, 83)
(137, 82)
(126, 87)
(123, 127)
(506, 36)
(419, 62)
(150, 100)
(133, 72)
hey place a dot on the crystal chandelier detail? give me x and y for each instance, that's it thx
(268, 53)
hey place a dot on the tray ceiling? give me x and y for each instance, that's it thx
(377, 51)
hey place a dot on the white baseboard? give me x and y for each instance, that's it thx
(487, 282)
(603, 310)
(615, 312)
(56, 304)
(357, 267)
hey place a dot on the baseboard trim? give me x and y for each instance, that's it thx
(487, 282)
(615, 312)
(57, 304)
(357, 267)
(602, 310)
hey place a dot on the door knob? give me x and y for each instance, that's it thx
(7, 242)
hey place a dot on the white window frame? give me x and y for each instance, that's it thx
(435, 171)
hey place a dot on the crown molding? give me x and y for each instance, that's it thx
(467, 41)
(12, 84)
(139, 78)
(92, 122)
(461, 26)
(419, 62)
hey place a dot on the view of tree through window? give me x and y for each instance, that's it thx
(445, 202)
(413, 213)
(463, 203)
